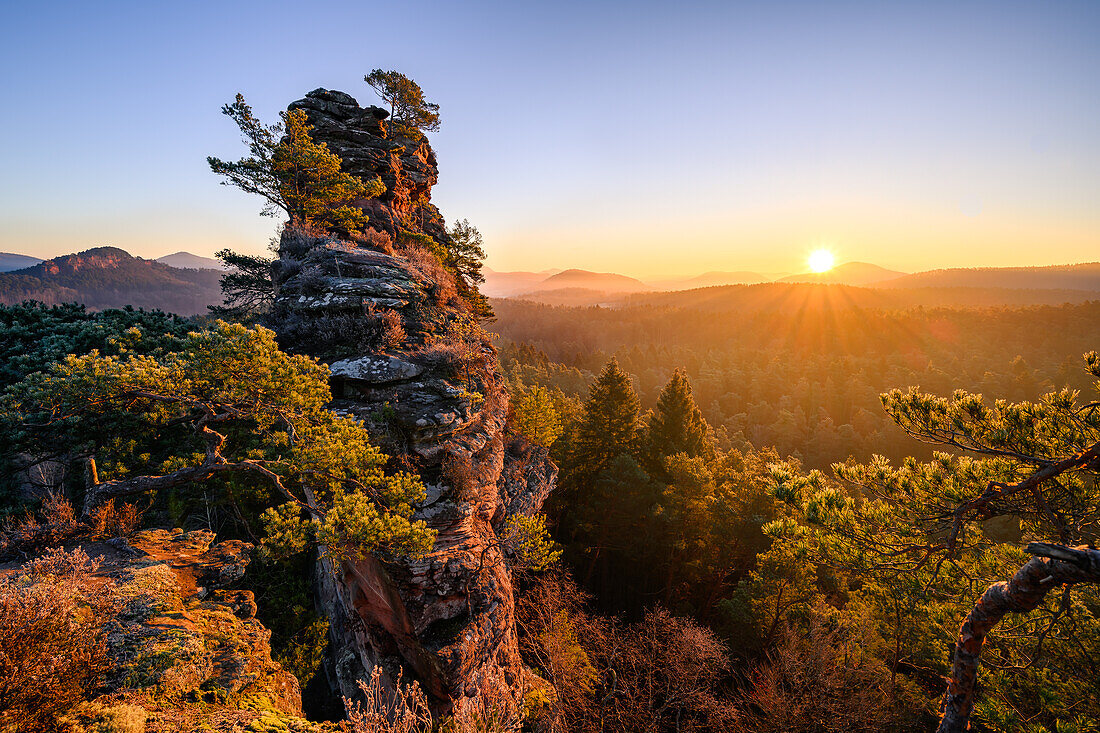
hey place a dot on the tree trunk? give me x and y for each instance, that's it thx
(1053, 566)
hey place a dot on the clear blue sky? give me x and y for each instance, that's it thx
(651, 139)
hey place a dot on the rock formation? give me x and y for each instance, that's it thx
(408, 359)
(185, 653)
(407, 166)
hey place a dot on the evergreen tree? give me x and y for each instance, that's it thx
(247, 286)
(311, 182)
(292, 173)
(677, 424)
(463, 256)
(536, 417)
(610, 424)
(143, 422)
(466, 252)
(617, 540)
(408, 108)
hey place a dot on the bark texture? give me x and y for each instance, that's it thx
(1052, 567)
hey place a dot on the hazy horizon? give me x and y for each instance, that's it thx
(648, 140)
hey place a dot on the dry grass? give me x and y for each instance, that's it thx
(403, 711)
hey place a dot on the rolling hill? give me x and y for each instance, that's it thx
(504, 284)
(108, 277)
(607, 282)
(186, 260)
(850, 273)
(1084, 276)
(10, 261)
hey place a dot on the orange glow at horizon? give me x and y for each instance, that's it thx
(821, 260)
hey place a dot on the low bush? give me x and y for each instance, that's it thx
(52, 652)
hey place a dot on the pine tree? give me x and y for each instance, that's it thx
(292, 173)
(409, 111)
(311, 182)
(464, 255)
(248, 290)
(536, 417)
(610, 423)
(677, 425)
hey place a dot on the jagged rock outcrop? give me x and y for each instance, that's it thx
(408, 360)
(185, 652)
(361, 137)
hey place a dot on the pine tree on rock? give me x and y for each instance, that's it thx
(294, 174)
(409, 110)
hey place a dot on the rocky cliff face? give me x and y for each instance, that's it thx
(361, 136)
(408, 359)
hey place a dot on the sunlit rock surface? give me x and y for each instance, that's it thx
(436, 401)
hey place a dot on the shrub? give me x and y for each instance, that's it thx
(116, 520)
(297, 239)
(493, 710)
(403, 711)
(52, 653)
(336, 335)
(392, 328)
(420, 251)
(660, 674)
(461, 473)
(815, 680)
(56, 522)
(373, 239)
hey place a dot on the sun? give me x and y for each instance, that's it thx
(821, 260)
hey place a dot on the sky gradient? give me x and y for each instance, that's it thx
(655, 140)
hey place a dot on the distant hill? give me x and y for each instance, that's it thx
(1056, 277)
(503, 284)
(607, 282)
(777, 297)
(191, 261)
(108, 277)
(571, 297)
(10, 261)
(850, 273)
(712, 279)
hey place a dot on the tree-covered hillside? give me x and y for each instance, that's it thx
(826, 600)
(802, 373)
(108, 277)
